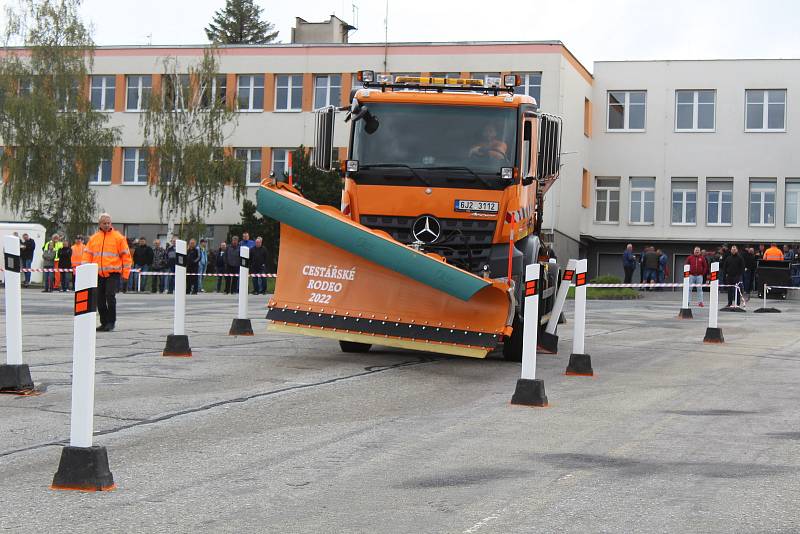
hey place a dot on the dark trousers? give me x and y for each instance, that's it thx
(232, 282)
(107, 287)
(192, 282)
(220, 281)
(628, 274)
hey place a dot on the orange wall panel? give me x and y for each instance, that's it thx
(342, 153)
(586, 189)
(308, 91)
(587, 117)
(347, 83)
(230, 88)
(116, 165)
(266, 162)
(156, 85)
(269, 92)
(119, 93)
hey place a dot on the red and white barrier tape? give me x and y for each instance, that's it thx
(151, 273)
(654, 285)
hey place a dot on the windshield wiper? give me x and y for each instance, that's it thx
(396, 166)
(458, 168)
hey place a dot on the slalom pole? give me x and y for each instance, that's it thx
(548, 340)
(83, 466)
(764, 308)
(178, 341)
(713, 332)
(530, 390)
(241, 325)
(580, 363)
(15, 376)
(686, 311)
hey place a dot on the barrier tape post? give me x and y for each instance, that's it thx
(548, 340)
(530, 390)
(83, 466)
(580, 363)
(764, 308)
(241, 325)
(686, 311)
(713, 332)
(178, 341)
(15, 376)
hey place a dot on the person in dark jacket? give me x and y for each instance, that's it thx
(172, 260)
(628, 263)
(192, 267)
(143, 262)
(749, 269)
(232, 265)
(734, 271)
(27, 249)
(258, 265)
(650, 266)
(219, 264)
(65, 262)
(159, 266)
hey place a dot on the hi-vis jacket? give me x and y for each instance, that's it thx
(109, 250)
(77, 255)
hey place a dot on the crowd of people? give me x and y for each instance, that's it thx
(737, 266)
(58, 254)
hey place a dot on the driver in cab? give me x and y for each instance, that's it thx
(490, 147)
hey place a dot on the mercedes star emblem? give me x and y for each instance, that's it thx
(426, 229)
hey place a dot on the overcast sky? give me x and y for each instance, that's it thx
(593, 30)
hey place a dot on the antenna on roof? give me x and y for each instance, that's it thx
(386, 39)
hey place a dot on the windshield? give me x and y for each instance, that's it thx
(440, 146)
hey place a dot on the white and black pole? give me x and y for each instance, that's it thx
(764, 308)
(713, 332)
(686, 311)
(83, 466)
(15, 376)
(241, 325)
(548, 340)
(580, 363)
(530, 390)
(178, 341)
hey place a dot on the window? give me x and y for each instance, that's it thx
(719, 206)
(176, 92)
(684, 201)
(762, 202)
(607, 200)
(485, 76)
(134, 166)
(643, 200)
(289, 92)
(531, 86)
(67, 100)
(766, 110)
(792, 212)
(103, 92)
(327, 90)
(626, 110)
(139, 89)
(280, 163)
(251, 92)
(102, 174)
(216, 92)
(252, 164)
(694, 111)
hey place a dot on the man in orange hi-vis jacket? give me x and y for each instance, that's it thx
(109, 250)
(773, 253)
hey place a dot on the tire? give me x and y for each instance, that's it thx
(512, 348)
(352, 346)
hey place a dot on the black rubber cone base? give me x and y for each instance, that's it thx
(529, 393)
(767, 310)
(15, 378)
(241, 327)
(547, 343)
(177, 346)
(735, 309)
(562, 319)
(85, 469)
(713, 335)
(685, 313)
(580, 365)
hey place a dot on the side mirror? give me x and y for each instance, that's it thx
(323, 134)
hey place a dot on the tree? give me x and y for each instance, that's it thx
(239, 22)
(322, 187)
(54, 140)
(185, 127)
(259, 226)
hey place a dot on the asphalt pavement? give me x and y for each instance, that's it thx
(284, 433)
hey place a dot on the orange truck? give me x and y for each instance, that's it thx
(441, 211)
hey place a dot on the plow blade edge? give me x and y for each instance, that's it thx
(341, 280)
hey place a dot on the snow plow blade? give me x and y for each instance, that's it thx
(339, 279)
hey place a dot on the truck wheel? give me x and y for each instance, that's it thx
(352, 346)
(512, 348)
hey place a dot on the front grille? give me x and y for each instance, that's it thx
(465, 243)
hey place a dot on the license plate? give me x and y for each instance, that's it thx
(477, 205)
